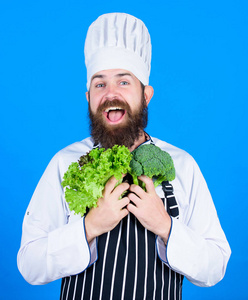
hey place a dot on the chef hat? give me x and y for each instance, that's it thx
(118, 41)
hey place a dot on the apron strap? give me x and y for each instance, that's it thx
(172, 206)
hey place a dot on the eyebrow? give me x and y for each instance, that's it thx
(117, 75)
(97, 76)
(123, 74)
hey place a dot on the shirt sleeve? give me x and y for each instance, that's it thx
(52, 248)
(197, 246)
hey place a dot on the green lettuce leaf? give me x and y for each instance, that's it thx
(85, 180)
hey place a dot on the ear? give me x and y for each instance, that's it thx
(87, 96)
(148, 93)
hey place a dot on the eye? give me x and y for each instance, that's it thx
(99, 85)
(124, 82)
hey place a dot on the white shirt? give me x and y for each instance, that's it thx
(54, 243)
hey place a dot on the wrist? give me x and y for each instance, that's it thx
(89, 230)
(166, 232)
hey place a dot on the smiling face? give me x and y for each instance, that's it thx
(109, 85)
(118, 108)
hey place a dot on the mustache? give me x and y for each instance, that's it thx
(113, 103)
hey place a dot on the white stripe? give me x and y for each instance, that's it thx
(92, 283)
(75, 287)
(103, 266)
(68, 288)
(154, 275)
(62, 294)
(175, 206)
(162, 288)
(170, 196)
(169, 283)
(175, 286)
(115, 262)
(126, 259)
(136, 260)
(146, 267)
(85, 273)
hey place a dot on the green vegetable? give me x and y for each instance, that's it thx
(153, 162)
(85, 180)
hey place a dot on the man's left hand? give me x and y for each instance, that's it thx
(149, 209)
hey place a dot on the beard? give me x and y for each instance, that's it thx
(121, 134)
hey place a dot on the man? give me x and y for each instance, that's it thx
(141, 246)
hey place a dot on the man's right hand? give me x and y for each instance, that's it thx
(109, 212)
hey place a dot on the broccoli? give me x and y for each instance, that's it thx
(153, 162)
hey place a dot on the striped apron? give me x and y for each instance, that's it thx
(128, 266)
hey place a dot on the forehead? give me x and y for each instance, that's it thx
(113, 73)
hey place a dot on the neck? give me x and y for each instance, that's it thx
(142, 138)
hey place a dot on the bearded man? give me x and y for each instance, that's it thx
(114, 122)
(142, 245)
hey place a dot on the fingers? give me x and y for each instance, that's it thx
(133, 209)
(110, 187)
(122, 203)
(134, 198)
(148, 182)
(123, 213)
(120, 189)
(138, 195)
(137, 190)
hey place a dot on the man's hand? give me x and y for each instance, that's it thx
(149, 209)
(109, 212)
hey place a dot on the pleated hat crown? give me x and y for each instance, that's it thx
(118, 41)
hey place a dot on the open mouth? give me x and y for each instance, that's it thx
(114, 114)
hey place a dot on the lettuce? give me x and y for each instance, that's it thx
(85, 180)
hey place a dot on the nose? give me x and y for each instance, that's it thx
(110, 92)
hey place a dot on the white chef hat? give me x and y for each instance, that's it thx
(118, 41)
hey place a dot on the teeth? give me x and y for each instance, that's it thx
(112, 108)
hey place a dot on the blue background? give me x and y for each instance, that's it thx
(199, 73)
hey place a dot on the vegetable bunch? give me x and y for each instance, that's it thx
(153, 162)
(85, 180)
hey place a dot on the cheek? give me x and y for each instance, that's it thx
(136, 104)
(94, 102)
(135, 99)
